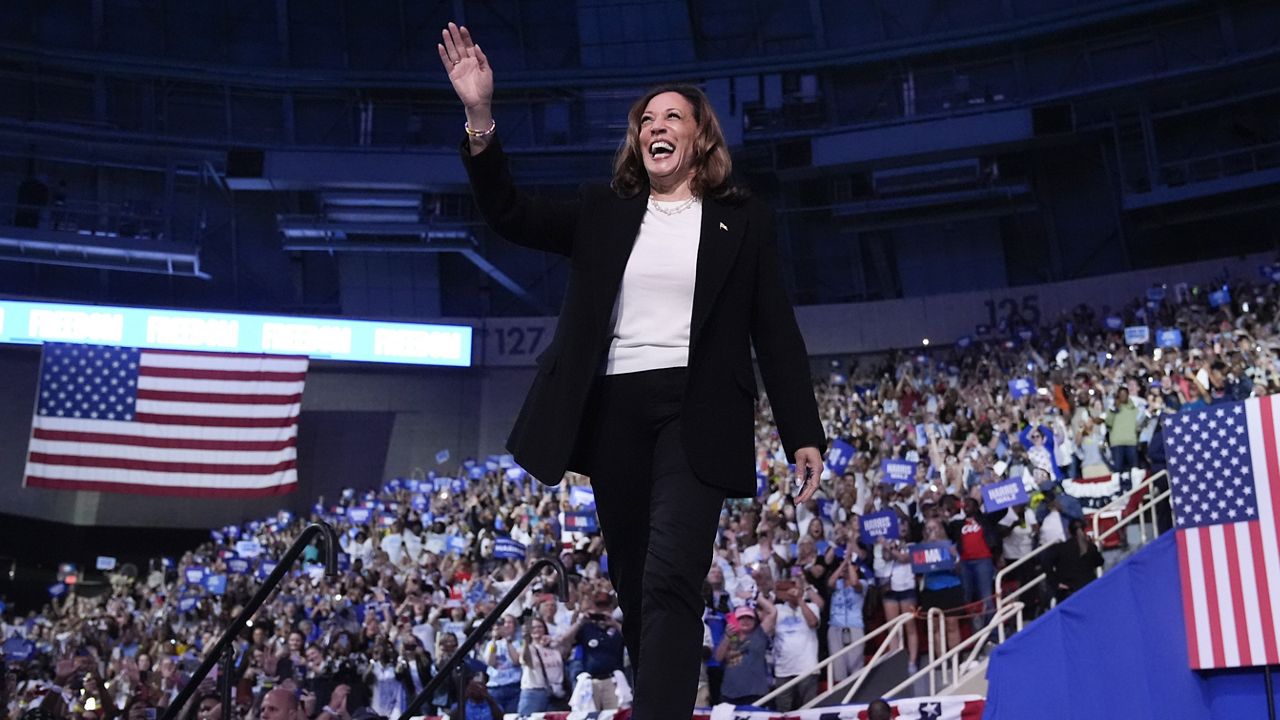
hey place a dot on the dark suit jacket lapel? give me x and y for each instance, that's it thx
(718, 245)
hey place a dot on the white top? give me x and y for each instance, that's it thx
(795, 644)
(651, 317)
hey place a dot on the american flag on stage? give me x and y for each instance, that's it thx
(165, 422)
(1224, 466)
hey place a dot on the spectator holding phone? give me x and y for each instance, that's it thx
(845, 626)
(599, 635)
(743, 653)
(794, 628)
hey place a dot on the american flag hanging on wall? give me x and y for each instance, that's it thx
(165, 422)
(1224, 468)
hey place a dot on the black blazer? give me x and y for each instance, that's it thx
(738, 300)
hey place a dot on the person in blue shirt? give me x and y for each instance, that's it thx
(942, 588)
(845, 625)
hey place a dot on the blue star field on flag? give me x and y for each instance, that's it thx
(1211, 466)
(89, 382)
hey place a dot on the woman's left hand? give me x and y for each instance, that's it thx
(808, 471)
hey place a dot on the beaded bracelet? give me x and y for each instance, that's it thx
(493, 125)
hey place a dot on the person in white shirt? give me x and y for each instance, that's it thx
(541, 669)
(502, 654)
(793, 625)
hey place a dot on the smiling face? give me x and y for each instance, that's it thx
(668, 131)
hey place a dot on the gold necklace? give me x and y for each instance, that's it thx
(653, 203)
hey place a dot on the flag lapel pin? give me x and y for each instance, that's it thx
(724, 227)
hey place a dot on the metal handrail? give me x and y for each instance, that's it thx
(942, 630)
(894, 625)
(1122, 500)
(974, 641)
(220, 648)
(1138, 514)
(415, 708)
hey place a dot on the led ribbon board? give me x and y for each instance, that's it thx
(33, 323)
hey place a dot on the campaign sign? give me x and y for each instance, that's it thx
(839, 456)
(515, 474)
(344, 561)
(194, 575)
(1169, 338)
(476, 473)
(1218, 298)
(418, 502)
(455, 544)
(1001, 495)
(248, 548)
(876, 525)
(1156, 294)
(266, 568)
(582, 496)
(187, 604)
(964, 341)
(458, 486)
(442, 456)
(57, 589)
(1114, 322)
(1137, 335)
(105, 563)
(239, 566)
(1020, 387)
(441, 483)
(504, 548)
(216, 584)
(358, 516)
(898, 472)
(932, 556)
(581, 521)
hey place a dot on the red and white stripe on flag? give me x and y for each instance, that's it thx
(1224, 467)
(165, 422)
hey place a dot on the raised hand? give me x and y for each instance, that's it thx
(468, 68)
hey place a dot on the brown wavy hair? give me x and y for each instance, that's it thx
(712, 166)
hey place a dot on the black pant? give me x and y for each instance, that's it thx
(659, 523)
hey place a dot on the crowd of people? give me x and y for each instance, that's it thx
(425, 559)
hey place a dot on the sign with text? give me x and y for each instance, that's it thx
(1137, 335)
(1169, 338)
(194, 575)
(248, 548)
(882, 524)
(839, 456)
(1114, 322)
(1001, 495)
(239, 566)
(320, 338)
(105, 563)
(581, 521)
(1021, 387)
(898, 472)
(504, 548)
(932, 556)
(359, 516)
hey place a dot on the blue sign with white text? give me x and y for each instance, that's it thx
(839, 456)
(932, 556)
(1169, 338)
(876, 525)
(1020, 388)
(1001, 495)
(898, 472)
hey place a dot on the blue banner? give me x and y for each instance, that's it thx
(441, 483)
(358, 515)
(187, 604)
(898, 472)
(882, 524)
(239, 566)
(515, 474)
(458, 486)
(1020, 388)
(584, 521)
(216, 584)
(442, 456)
(1218, 298)
(1001, 495)
(1156, 294)
(839, 456)
(582, 496)
(504, 548)
(266, 568)
(1137, 335)
(455, 544)
(194, 575)
(1169, 338)
(476, 473)
(932, 556)
(57, 589)
(1114, 322)
(964, 341)
(248, 548)
(419, 502)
